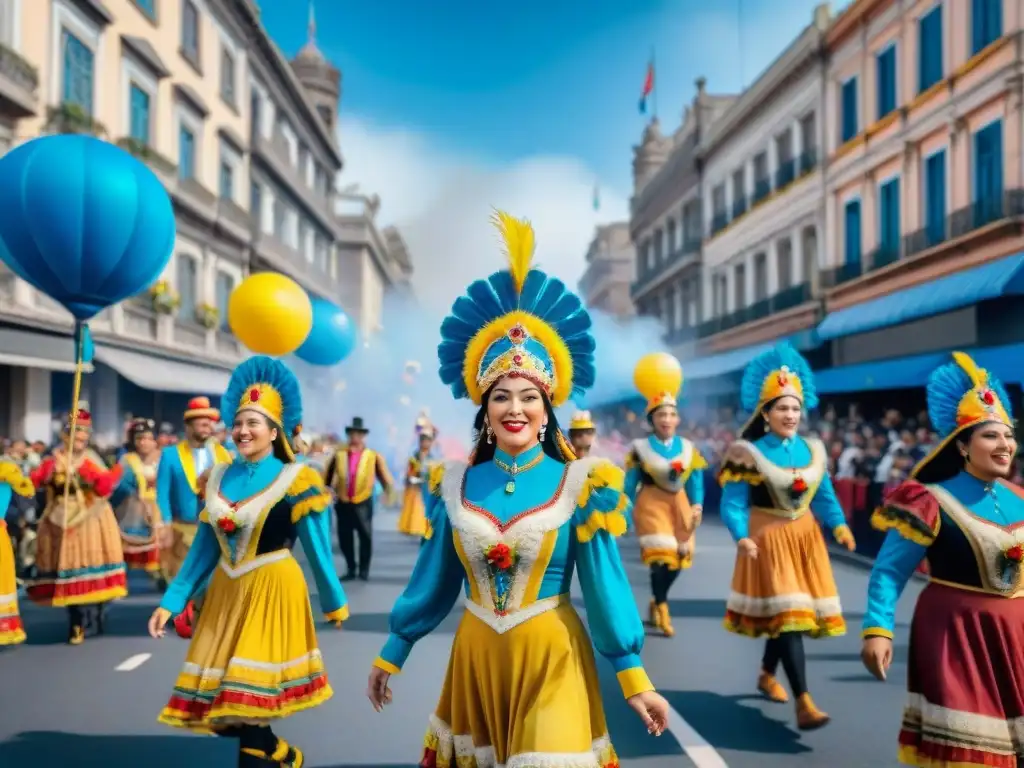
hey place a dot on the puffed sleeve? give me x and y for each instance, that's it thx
(615, 625)
(199, 563)
(826, 508)
(433, 587)
(41, 475)
(102, 480)
(11, 474)
(739, 471)
(309, 501)
(910, 510)
(126, 486)
(695, 482)
(633, 471)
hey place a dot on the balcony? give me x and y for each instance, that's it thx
(739, 206)
(282, 258)
(689, 250)
(161, 165)
(19, 85)
(808, 160)
(785, 173)
(719, 222)
(72, 118)
(276, 157)
(787, 298)
(762, 188)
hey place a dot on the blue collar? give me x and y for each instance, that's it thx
(773, 440)
(252, 467)
(521, 460)
(969, 488)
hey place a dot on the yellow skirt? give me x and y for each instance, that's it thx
(532, 691)
(254, 655)
(789, 587)
(80, 564)
(11, 630)
(173, 557)
(413, 520)
(664, 522)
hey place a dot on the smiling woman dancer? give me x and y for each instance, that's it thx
(782, 584)
(522, 686)
(254, 656)
(960, 512)
(12, 482)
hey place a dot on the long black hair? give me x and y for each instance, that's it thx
(554, 443)
(949, 462)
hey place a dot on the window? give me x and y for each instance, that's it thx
(138, 105)
(148, 7)
(935, 197)
(190, 31)
(851, 232)
(848, 111)
(988, 173)
(186, 153)
(227, 181)
(79, 63)
(256, 112)
(889, 219)
(739, 287)
(986, 23)
(188, 273)
(256, 203)
(886, 87)
(929, 49)
(227, 76)
(225, 285)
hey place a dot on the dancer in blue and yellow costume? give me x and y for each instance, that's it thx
(12, 482)
(509, 529)
(665, 481)
(413, 519)
(254, 656)
(775, 489)
(959, 511)
(134, 501)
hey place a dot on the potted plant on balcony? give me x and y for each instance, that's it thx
(68, 117)
(146, 154)
(165, 300)
(208, 316)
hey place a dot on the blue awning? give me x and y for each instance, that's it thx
(913, 371)
(1004, 277)
(710, 366)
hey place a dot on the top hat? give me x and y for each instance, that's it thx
(357, 426)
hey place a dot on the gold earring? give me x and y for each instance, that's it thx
(490, 434)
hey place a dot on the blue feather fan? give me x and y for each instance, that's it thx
(266, 370)
(770, 361)
(946, 387)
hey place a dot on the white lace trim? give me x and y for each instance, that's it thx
(943, 725)
(779, 479)
(525, 536)
(460, 746)
(658, 541)
(659, 468)
(503, 623)
(764, 607)
(213, 673)
(251, 565)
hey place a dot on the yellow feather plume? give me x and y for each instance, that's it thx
(977, 376)
(517, 238)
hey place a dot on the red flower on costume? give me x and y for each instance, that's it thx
(227, 525)
(799, 485)
(500, 556)
(677, 466)
(1015, 554)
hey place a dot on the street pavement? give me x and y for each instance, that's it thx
(96, 705)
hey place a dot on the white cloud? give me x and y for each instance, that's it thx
(441, 201)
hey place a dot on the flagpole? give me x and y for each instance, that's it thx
(654, 90)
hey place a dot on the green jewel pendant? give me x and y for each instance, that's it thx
(510, 486)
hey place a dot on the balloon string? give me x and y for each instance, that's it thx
(76, 394)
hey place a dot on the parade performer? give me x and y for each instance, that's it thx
(12, 482)
(665, 481)
(254, 656)
(522, 685)
(774, 486)
(177, 480)
(582, 433)
(79, 560)
(353, 473)
(413, 520)
(134, 501)
(960, 512)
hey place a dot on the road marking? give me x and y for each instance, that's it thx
(133, 662)
(694, 745)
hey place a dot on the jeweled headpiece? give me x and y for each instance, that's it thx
(778, 372)
(517, 322)
(268, 386)
(960, 396)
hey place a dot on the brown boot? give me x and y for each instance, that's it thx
(808, 716)
(771, 688)
(652, 614)
(77, 635)
(665, 620)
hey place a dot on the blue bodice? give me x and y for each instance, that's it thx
(673, 465)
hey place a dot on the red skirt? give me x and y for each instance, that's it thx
(966, 681)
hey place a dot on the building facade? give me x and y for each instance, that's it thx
(608, 278)
(762, 202)
(243, 140)
(923, 133)
(666, 221)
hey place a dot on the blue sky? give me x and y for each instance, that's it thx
(508, 81)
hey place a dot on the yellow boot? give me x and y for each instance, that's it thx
(808, 716)
(770, 687)
(652, 614)
(77, 636)
(665, 620)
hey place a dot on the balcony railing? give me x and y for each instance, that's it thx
(719, 222)
(762, 188)
(808, 160)
(844, 273)
(965, 220)
(785, 173)
(652, 275)
(739, 207)
(785, 299)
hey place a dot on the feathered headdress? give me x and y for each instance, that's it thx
(778, 372)
(268, 386)
(960, 396)
(517, 322)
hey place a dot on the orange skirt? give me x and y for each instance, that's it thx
(413, 519)
(789, 586)
(665, 527)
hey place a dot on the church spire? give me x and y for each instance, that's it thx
(311, 28)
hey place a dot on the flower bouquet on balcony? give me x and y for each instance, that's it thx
(208, 316)
(165, 300)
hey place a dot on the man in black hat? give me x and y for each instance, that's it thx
(352, 473)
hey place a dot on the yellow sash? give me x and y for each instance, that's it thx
(134, 463)
(188, 464)
(363, 486)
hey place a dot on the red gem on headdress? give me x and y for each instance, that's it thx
(517, 359)
(516, 333)
(988, 397)
(254, 395)
(781, 378)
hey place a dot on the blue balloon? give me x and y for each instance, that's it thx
(332, 338)
(83, 221)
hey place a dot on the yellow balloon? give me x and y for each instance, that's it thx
(658, 373)
(270, 314)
